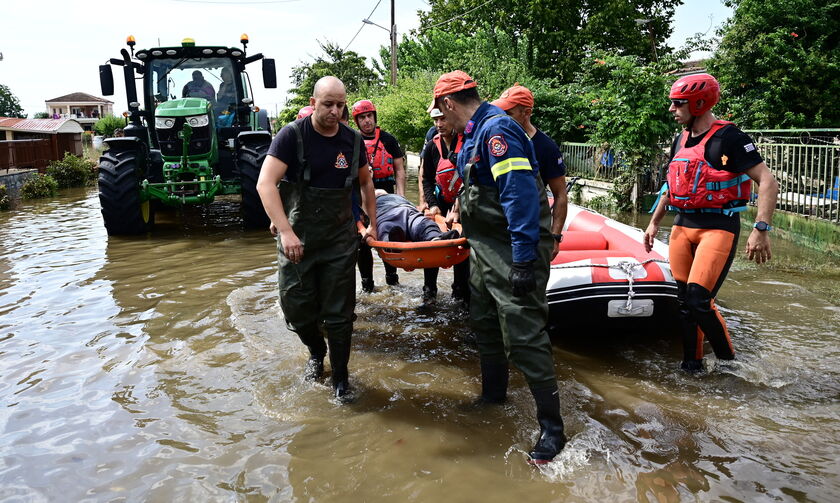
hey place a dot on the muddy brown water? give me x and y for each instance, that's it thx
(158, 368)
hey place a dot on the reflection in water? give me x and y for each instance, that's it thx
(159, 368)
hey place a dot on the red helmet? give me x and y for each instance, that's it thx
(305, 112)
(361, 107)
(694, 88)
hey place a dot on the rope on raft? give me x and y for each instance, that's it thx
(625, 266)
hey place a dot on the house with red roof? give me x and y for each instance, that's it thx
(85, 108)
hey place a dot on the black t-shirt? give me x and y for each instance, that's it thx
(731, 150)
(429, 135)
(392, 146)
(548, 156)
(431, 156)
(329, 157)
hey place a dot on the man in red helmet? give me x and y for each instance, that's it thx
(709, 183)
(387, 165)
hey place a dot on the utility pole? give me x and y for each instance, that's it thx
(393, 45)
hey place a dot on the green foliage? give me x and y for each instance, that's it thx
(401, 110)
(9, 103)
(778, 64)
(627, 112)
(346, 65)
(5, 204)
(106, 125)
(39, 187)
(550, 36)
(72, 171)
(41, 115)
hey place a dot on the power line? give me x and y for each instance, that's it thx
(456, 17)
(363, 25)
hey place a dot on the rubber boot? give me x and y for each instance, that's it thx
(314, 341)
(367, 285)
(314, 368)
(392, 279)
(429, 299)
(552, 439)
(494, 382)
(339, 358)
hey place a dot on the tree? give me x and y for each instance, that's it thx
(628, 113)
(9, 104)
(557, 33)
(778, 64)
(346, 65)
(41, 115)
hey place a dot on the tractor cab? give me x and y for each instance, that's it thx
(197, 134)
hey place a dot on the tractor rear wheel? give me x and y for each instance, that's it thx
(250, 160)
(119, 194)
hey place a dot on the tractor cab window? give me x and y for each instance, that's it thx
(208, 78)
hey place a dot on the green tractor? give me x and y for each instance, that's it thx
(196, 136)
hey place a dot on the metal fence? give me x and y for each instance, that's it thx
(806, 162)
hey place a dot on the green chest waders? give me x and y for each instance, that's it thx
(507, 327)
(321, 289)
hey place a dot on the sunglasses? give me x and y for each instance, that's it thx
(678, 103)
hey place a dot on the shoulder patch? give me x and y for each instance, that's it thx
(497, 145)
(341, 161)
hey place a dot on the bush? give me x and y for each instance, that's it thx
(106, 125)
(72, 171)
(39, 187)
(401, 111)
(87, 138)
(4, 198)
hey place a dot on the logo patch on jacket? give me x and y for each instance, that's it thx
(341, 161)
(497, 146)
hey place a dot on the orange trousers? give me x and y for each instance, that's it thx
(700, 260)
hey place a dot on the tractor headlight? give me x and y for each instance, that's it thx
(198, 120)
(164, 122)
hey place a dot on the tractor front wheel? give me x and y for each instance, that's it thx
(119, 195)
(250, 160)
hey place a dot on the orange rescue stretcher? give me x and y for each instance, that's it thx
(423, 254)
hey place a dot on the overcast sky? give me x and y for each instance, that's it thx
(53, 47)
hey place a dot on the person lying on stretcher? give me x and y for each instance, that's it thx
(397, 219)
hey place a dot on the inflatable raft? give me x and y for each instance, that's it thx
(602, 277)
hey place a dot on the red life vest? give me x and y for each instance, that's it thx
(381, 162)
(695, 185)
(446, 175)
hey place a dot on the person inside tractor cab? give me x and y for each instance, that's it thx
(225, 105)
(226, 97)
(199, 88)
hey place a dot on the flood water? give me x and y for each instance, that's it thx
(159, 368)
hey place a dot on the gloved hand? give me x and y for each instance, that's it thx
(522, 278)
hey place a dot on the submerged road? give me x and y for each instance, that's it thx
(158, 368)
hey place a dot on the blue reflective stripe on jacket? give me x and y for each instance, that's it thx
(512, 172)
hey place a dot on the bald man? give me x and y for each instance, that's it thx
(311, 216)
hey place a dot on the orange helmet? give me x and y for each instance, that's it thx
(693, 88)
